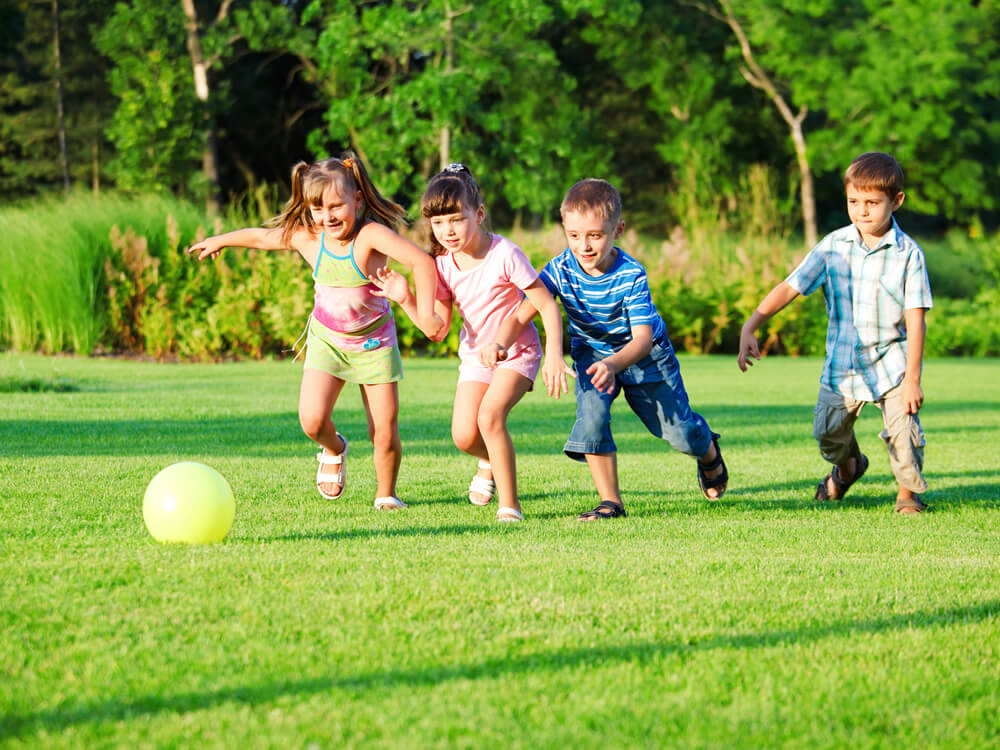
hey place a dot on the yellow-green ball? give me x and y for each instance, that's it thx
(188, 502)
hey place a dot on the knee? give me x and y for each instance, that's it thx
(465, 437)
(312, 423)
(491, 422)
(384, 435)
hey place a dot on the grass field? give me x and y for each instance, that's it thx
(765, 620)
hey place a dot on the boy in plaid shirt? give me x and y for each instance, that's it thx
(874, 278)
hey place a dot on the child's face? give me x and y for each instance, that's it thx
(592, 240)
(337, 211)
(457, 232)
(871, 211)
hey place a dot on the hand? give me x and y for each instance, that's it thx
(554, 374)
(390, 284)
(748, 349)
(210, 247)
(913, 396)
(490, 355)
(602, 375)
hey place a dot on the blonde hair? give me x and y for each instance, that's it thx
(450, 191)
(598, 196)
(875, 171)
(309, 181)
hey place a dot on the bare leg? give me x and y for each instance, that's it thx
(317, 396)
(465, 427)
(382, 407)
(507, 388)
(604, 470)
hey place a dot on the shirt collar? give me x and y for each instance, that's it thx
(888, 240)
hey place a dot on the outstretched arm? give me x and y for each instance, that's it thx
(916, 331)
(393, 286)
(257, 238)
(420, 264)
(555, 370)
(775, 301)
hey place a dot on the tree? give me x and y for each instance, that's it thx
(412, 85)
(36, 151)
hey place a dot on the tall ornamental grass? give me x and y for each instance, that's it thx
(52, 264)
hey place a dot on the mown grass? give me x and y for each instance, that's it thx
(765, 620)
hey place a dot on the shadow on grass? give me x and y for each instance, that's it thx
(347, 534)
(118, 710)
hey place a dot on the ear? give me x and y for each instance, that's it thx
(898, 201)
(481, 214)
(620, 229)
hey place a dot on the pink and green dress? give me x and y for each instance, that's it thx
(351, 334)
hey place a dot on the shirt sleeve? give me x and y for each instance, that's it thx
(639, 302)
(442, 292)
(917, 292)
(811, 272)
(549, 278)
(519, 269)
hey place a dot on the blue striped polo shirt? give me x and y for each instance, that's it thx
(602, 309)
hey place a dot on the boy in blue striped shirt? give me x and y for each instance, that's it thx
(874, 278)
(618, 343)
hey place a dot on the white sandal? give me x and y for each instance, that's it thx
(509, 515)
(325, 459)
(389, 503)
(482, 486)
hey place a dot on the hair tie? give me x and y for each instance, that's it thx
(348, 162)
(455, 167)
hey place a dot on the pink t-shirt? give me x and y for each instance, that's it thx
(487, 294)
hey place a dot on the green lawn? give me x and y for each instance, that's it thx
(765, 620)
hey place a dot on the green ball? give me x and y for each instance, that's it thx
(188, 502)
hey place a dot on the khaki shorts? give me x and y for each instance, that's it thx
(833, 428)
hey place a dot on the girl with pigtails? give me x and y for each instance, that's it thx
(344, 229)
(485, 277)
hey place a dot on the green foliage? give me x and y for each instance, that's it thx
(29, 139)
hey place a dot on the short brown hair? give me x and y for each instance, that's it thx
(594, 195)
(875, 171)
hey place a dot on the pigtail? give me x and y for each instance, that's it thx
(381, 208)
(295, 213)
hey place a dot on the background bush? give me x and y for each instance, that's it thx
(110, 275)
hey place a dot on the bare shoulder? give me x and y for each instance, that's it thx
(306, 242)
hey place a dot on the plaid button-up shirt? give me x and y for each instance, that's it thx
(866, 293)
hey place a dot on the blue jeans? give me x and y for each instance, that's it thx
(661, 404)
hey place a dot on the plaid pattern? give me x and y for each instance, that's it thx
(866, 294)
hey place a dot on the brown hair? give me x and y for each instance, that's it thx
(450, 191)
(594, 195)
(310, 180)
(875, 171)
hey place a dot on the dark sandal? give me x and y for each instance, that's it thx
(722, 480)
(908, 507)
(842, 487)
(606, 509)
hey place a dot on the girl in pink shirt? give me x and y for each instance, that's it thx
(485, 276)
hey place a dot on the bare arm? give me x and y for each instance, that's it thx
(602, 373)
(555, 370)
(393, 285)
(421, 265)
(916, 332)
(775, 301)
(257, 238)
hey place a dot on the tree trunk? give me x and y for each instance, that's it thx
(210, 154)
(757, 77)
(61, 121)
